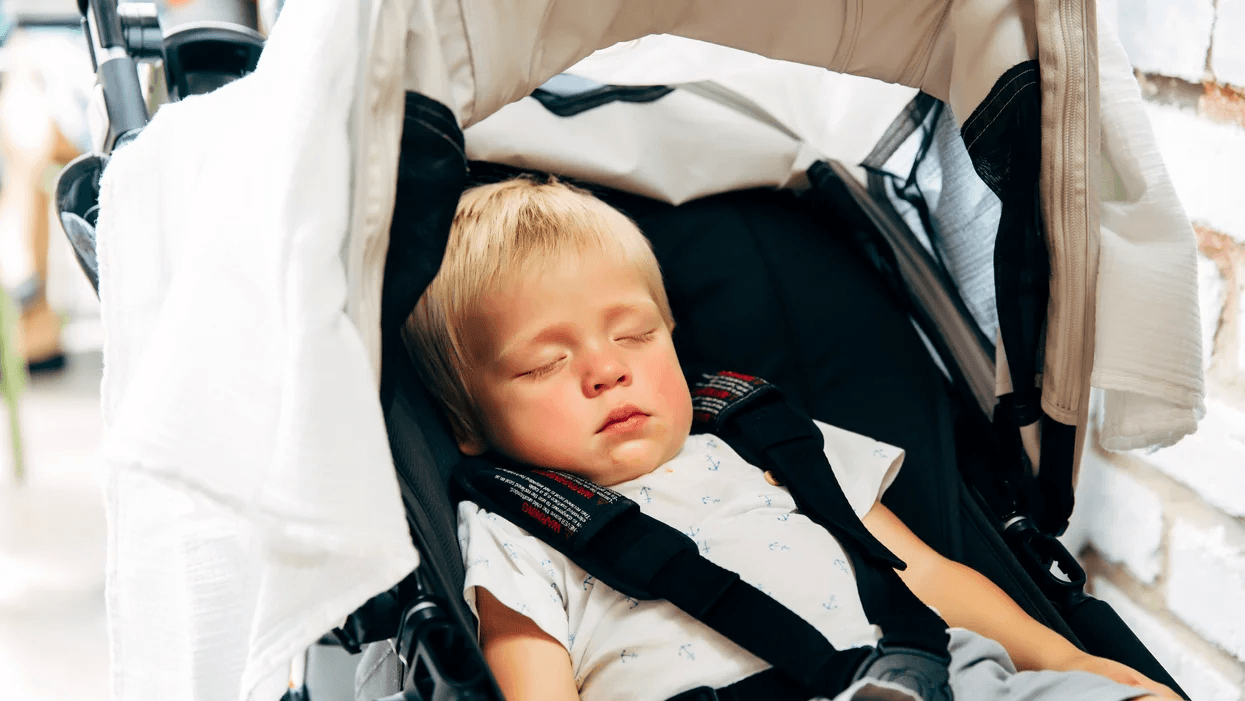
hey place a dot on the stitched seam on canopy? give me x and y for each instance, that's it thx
(985, 106)
(1004, 107)
(436, 129)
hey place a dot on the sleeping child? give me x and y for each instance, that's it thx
(546, 335)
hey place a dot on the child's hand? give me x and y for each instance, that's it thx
(1116, 672)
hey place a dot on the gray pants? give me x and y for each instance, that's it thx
(980, 671)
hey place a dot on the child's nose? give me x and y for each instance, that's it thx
(607, 375)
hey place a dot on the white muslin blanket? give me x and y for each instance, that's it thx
(252, 498)
(1148, 359)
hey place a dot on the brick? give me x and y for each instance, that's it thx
(1227, 60)
(1204, 161)
(1222, 103)
(1240, 331)
(1168, 37)
(1211, 296)
(1206, 584)
(1210, 461)
(1123, 517)
(1197, 677)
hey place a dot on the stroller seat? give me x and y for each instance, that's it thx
(765, 282)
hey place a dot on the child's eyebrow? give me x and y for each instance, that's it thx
(550, 333)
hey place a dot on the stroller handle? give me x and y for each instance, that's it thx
(117, 71)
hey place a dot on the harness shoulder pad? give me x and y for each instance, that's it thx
(554, 506)
(599, 529)
(717, 396)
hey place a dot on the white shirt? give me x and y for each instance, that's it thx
(622, 648)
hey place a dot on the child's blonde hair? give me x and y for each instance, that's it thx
(503, 232)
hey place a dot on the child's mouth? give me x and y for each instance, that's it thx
(625, 421)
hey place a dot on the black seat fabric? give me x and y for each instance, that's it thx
(771, 284)
(764, 283)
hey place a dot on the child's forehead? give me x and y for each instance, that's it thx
(525, 306)
(575, 268)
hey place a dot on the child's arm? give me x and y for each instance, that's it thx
(527, 663)
(966, 599)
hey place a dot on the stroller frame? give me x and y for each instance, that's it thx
(1005, 507)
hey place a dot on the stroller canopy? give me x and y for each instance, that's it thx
(261, 253)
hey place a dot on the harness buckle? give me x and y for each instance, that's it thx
(924, 673)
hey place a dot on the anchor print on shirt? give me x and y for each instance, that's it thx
(630, 600)
(478, 561)
(842, 565)
(713, 464)
(514, 554)
(711, 443)
(555, 594)
(766, 498)
(548, 565)
(693, 531)
(709, 500)
(777, 547)
(628, 656)
(647, 494)
(685, 651)
(783, 517)
(879, 453)
(589, 582)
(830, 604)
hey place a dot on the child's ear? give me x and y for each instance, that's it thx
(471, 447)
(468, 443)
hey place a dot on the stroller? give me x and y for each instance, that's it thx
(954, 224)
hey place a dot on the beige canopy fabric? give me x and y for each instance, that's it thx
(477, 56)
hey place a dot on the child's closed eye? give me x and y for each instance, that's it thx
(543, 369)
(640, 337)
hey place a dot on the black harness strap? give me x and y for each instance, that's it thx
(770, 685)
(753, 417)
(607, 534)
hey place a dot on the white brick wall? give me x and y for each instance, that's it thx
(1198, 678)
(1240, 327)
(1211, 293)
(1211, 461)
(1170, 37)
(1127, 519)
(1227, 59)
(1206, 583)
(1205, 162)
(1169, 527)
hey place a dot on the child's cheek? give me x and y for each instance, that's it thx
(552, 410)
